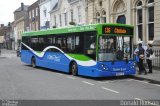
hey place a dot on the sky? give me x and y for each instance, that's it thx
(7, 7)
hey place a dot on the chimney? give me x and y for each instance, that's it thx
(22, 6)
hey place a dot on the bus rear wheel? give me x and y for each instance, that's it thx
(74, 69)
(33, 62)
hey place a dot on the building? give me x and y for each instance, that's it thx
(7, 37)
(2, 35)
(68, 12)
(45, 7)
(34, 16)
(157, 23)
(143, 14)
(20, 23)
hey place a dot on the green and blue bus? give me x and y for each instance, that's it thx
(96, 50)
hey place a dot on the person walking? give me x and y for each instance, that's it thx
(149, 52)
(139, 52)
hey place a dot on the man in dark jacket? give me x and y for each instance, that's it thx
(140, 54)
(149, 52)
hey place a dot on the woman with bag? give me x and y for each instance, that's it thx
(149, 53)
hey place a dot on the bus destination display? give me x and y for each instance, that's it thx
(117, 30)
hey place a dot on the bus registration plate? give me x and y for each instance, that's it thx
(119, 74)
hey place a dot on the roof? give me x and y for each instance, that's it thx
(25, 8)
(55, 7)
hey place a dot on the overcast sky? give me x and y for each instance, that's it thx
(7, 7)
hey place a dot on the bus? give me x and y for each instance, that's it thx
(96, 50)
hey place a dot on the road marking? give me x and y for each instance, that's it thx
(142, 81)
(88, 83)
(59, 74)
(109, 90)
(71, 77)
(156, 85)
(102, 82)
(147, 83)
(130, 80)
(147, 102)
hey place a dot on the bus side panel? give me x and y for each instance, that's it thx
(26, 56)
(88, 71)
(56, 61)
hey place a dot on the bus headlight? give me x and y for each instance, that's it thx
(133, 65)
(103, 67)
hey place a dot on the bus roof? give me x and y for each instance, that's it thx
(71, 29)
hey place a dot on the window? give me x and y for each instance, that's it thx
(114, 48)
(90, 44)
(45, 12)
(98, 17)
(25, 40)
(100, 3)
(29, 14)
(71, 15)
(139, 21)
(37, 11)
(34, 43)
(65, 18)
(121, 19)
(60, 20)
(55, 24)
(33, 13)
(150, 19)
(103, 17)
(79, 14)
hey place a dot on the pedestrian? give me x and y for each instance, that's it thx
(139, 55)
(149, 53)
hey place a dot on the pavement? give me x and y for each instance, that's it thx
(7, 53)
(152, 78)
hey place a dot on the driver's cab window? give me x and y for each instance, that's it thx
(114, 48)
(107, 48)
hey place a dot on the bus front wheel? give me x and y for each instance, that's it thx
(33, 62)
(74, 69)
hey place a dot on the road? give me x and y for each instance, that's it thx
(22, 82)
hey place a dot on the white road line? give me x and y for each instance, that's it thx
(147, 83)
(142, 81)
(156, 85)
(59, 74)
(102, 82)
(88, 83)
(109, 90)
(130, 80)
(71, 77)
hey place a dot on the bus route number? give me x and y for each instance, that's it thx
(107, 30)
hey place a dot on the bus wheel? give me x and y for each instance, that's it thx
(33, 62)
(74, 69)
